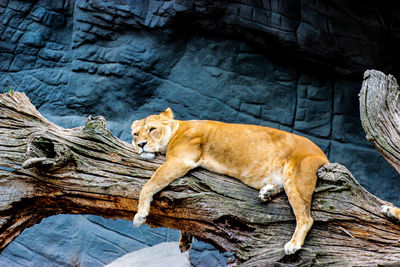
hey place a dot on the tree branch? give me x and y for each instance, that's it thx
(380, 114)
(47, 170)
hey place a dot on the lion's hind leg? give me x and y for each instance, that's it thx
(303, 225)
(392, 212)
(299, 184)
(304, 222)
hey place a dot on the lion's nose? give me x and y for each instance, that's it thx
(142, 144)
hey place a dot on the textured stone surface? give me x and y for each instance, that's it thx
(259, 62)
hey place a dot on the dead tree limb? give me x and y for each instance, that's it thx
(47, 170)
(380, 114)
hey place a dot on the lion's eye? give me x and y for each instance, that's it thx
(151, 129)
(135, 134)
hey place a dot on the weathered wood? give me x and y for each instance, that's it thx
(47, 170)
(380, 114)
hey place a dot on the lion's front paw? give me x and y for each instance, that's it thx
(139, 219)
(291, 248)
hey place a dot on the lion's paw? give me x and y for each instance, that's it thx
(139, 219)
(267, 192)
(291, 248)
(387, 210)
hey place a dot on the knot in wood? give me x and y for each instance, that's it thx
(45, 153)
(95, 123)
(39, 146)
(334, 175)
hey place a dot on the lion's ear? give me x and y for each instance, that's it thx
(133, 124)
(167, 114)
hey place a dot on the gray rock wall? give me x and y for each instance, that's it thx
(260, 62)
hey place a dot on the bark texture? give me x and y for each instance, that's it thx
(380, 114)
(47, 170)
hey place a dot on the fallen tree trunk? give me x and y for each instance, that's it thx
(380, 114)
(47, 170)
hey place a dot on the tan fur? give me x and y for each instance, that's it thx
(391, 211)
(266, 159)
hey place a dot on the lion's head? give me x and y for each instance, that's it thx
(152, 134)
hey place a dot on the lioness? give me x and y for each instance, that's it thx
(266, 159)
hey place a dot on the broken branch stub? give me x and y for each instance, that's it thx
(380, 114)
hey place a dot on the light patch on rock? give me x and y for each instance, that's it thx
(163, 254)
